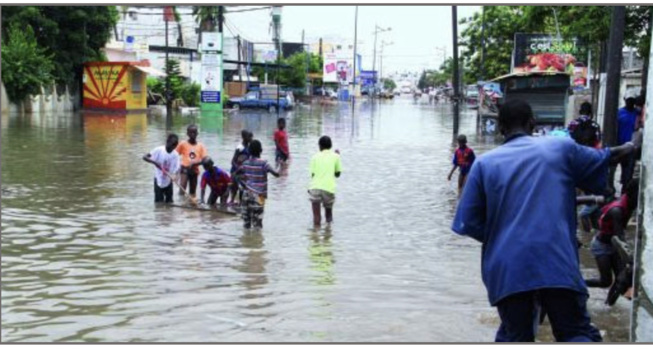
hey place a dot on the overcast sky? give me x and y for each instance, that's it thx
(416, 30)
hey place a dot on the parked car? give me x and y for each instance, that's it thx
(385, 94)
(370, 90)
(253, 100)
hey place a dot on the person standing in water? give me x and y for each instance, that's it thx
(463, 158)
(325, 168)
(192, 152)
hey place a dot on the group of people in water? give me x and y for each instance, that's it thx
(245, 186)
(520, 200)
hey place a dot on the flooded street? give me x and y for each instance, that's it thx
(87, 256)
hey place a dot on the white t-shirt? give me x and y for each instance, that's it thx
(168, 161)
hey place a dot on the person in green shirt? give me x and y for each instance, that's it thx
(325, 168)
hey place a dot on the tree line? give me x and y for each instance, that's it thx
(495, 27)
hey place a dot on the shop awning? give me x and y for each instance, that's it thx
(151, 71)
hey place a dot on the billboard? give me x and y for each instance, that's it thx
(211, 74)
(546, 53)
(338, 69)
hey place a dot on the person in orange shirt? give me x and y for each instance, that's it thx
(192, 152)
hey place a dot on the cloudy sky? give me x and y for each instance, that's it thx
(419, 33)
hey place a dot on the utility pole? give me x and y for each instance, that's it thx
(377, 30)
(276, 20)
(615, 47)
(456, 86)
(483, 45)
(353, 99)
(240, 72)
(168, 92)
(308, 63)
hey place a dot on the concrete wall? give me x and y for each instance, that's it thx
(642, 318)
(48, 101)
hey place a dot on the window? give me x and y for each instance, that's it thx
(137, 78)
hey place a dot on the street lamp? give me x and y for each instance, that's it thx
(383, 45)
(377, 30)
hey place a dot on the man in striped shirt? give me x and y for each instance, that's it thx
(256, 186)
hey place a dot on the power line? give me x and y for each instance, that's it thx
(253, 9)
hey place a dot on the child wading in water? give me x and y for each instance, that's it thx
(166, 161)
(218, 182)
(463, 158)
(240, 155)
(325, 168)
(255, 175)
(192, 152)
(281, 142)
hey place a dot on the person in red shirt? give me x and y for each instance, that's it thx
(463, 158)
(217, 179)
(281, 141)
(613, 221)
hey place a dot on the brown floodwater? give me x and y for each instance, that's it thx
(87, 256)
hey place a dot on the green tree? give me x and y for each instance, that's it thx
(389, 84)
(176, 80)
(591, 24)
(71, 34)
(207, 18)
(295, 75)
(25, 66)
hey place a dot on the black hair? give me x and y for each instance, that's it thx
(172, 135)
(207, 161)
(515, 113)
(462, 138)
(255, 148)
(192, 126)
(585, 109)
(244, 133)
(640, 100)
(281, 120)
(325, 142)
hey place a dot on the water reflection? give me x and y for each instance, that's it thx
(321, 256)
(87, 256)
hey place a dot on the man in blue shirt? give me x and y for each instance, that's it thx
(519, 202)
(626, 121)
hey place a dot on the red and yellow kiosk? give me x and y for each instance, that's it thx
(118, 86)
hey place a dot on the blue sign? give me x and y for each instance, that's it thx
(210, 96)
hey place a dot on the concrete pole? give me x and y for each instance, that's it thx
(615, 47)
(353, 99)
(168, 92)
(456, 84)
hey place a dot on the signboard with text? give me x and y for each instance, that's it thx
(547, 53)
(211, 72)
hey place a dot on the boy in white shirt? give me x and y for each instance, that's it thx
(166, 161)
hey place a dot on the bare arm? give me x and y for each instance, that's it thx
(590, 200)
(451, 173)
(148, 158)
(273, 172)
(618, 152)
(234, 158)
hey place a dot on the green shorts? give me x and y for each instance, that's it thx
(322, 197)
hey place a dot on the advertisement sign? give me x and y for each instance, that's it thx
(329, 71)
(368, 78)
(545, 53)
(211, 77)
(211, 72)
(265, 55)
(340, 69)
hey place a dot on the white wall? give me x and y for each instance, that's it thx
(642, 319)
